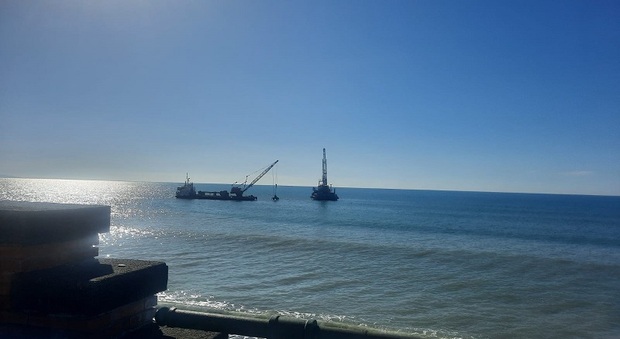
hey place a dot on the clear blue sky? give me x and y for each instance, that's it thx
(518, 96)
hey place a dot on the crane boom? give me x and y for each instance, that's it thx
(260, 176)
(238, 191)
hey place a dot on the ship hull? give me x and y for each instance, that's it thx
(324, 193)
(187, 192)
(217, 196)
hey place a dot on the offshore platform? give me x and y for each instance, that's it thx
(324, 191)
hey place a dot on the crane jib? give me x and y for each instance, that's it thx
(259, 176)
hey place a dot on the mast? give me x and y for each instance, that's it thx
(324, 169)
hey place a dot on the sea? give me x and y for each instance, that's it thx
(436, 264)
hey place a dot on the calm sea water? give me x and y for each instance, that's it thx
(437, 264)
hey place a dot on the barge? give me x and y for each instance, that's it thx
(323, 191)
(187, 191)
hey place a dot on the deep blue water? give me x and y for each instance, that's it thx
(434, 263)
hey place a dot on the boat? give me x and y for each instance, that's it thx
(187, 191)
(323, 191)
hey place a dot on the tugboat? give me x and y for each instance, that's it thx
(324, 191)
(186, 191)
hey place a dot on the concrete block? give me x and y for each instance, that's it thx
(5, 303)
(89, 287)
(20, 251)
(5, 283)
(31, 223)
(55, 258)
(111, 324)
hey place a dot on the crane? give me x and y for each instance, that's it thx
(238, 191)
(324, 179)
(323, 191)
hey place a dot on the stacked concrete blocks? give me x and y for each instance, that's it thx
(52, 283)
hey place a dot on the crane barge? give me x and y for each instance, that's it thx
(324, 191)
(187, 191)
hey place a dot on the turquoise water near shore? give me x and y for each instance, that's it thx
(434, 263)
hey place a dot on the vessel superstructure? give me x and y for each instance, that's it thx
(186, 191)
(324, 191)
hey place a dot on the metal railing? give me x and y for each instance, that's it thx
(277, 327)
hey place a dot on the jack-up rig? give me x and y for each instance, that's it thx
(324, 191)
(187, 191)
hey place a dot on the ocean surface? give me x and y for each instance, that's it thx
(433, 263)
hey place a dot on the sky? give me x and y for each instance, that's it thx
(502, 96)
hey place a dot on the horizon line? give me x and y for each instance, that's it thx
(3, 176)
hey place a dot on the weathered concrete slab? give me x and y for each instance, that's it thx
(11, 265)
(122, 319)
(21, 251)
(151, 331)
(89, 287)
(30, 223)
